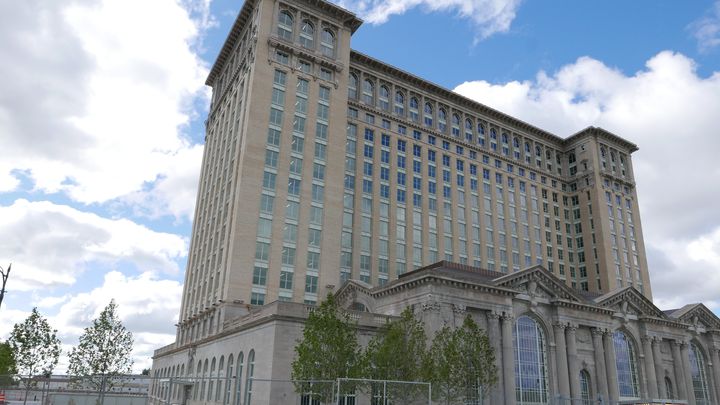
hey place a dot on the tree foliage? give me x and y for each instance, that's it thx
(35, 346)
(399, 353)
(7, 364)
(328, 349)
(463, 363)
(104, 348)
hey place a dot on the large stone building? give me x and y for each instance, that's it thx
(323, 165)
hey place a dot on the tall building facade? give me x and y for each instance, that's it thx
(323, 164)
(328, 171)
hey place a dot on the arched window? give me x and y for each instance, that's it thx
(307, 34)
(516, 143)
(456, 125)
(353, 87)
(428, 115)
(211, 380)
(368, 92)
(203, 381)
(327, 43)
(481, 134)
(493, 139)
(625, 361)
(384, 98)
(414, 115)
(530, 362)
(249, 375)
(468, 130)
(669, 394)
(220, 379)
(285, 25)
(699, 379)
(238, 379)
(228, 379)
(585, 397)
(442, 120)
(399, 104)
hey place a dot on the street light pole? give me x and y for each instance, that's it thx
(4, 274)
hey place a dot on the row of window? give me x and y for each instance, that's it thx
(467, 129)
(222, 384)
(531, 367)
(307, 34)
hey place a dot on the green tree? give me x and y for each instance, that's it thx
(7, 365)
(462, 363)
(399, 353)
(328, 350)
(104, 349)
(35, 346)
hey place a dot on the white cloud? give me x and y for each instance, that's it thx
(671, 114)
(488, 16)
(147, 306)
(707, 29)
(149, 312)
(98, 95)
(52, 244)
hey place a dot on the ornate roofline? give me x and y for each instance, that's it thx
(529, 272)
(350, 20)
(488, 112)
(602, 133)
(645, 305)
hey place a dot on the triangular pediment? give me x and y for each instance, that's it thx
(631, 302)
(697, 315)
(355, 292)
(538, 282)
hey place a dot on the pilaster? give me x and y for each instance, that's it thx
(562, 363)
(573, 363)
(508, 360)
(613, 390)
(651, 378)
(679, 370)
(600, 366)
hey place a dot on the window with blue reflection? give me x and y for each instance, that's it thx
(531, 384)
(697, 371)
(625, 362)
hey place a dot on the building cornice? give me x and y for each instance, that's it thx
(487, 112)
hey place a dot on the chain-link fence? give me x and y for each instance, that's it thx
(70, 390)
(343, 391)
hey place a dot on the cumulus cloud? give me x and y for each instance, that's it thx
(706, 30)
(50, 245)
(488, 16)
(671, 114)
(149, 312)
(98, 97)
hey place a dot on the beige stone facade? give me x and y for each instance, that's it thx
(615, 348)
(323, 165)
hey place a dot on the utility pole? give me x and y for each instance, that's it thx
(4, 274)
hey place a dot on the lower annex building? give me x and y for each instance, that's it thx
(328, 171)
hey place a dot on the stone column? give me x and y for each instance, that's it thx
(652, 385)
(613, 390)
(659, 373)
(508, 360)
(494, 335)
(562, 363)
(600, 370)
(685, 358)
(715, 357)
(573, 364)
(679, 372)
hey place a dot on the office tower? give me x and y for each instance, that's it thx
(323, 164)
(326, 170)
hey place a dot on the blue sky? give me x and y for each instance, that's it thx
(98, 178)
